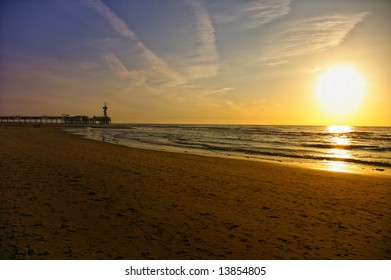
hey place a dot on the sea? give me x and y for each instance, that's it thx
(334, 148)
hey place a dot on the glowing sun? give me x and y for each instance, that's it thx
(340, 90)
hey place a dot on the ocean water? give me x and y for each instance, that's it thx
(338, 148)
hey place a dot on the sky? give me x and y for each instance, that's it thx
(192, 61)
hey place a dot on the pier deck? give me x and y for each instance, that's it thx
(65, 119)
(62, 119)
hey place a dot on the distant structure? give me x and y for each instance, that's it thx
(63, 119)
(105, 110)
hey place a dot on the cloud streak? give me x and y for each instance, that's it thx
(204, 59)
(311, 35)
(205, 32)
(114, 21)
(253, 13)
(262, 12)
(219, 92)
(159, 72)
(135, 78)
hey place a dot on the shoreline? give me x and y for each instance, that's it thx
(336, 165)
(66, 197)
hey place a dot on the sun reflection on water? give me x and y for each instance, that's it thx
(340, 141)
(339, 129)
(340, 148)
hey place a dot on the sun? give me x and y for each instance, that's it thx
(340, 90)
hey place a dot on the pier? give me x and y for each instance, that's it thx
(62, 119)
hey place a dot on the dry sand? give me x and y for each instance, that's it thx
(63, 197)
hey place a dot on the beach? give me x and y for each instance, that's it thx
(65, 197)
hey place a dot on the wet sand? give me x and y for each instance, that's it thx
(63, 197)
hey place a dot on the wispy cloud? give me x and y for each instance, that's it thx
(116, 65)
(203, 61)
(115, 22)
(218, 92)
(261, 11)
(135, 78)
(159, 72)
(252, 13)
(311, 35)
(205, 32)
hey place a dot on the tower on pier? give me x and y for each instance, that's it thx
(105, 110)
(105, 119)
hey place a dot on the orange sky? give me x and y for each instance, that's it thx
(232, 62)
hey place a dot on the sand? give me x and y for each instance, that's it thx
(63, 197)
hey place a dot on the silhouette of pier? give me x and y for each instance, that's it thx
(62, 119)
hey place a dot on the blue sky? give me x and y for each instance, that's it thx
(190, 61)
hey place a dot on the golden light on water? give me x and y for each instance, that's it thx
(339, 140)
(339, 129)
(339, 166)
(340, 153)
(340, 90)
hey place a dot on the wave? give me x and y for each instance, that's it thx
(347, 147)
(368, 147)
(287, 153)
